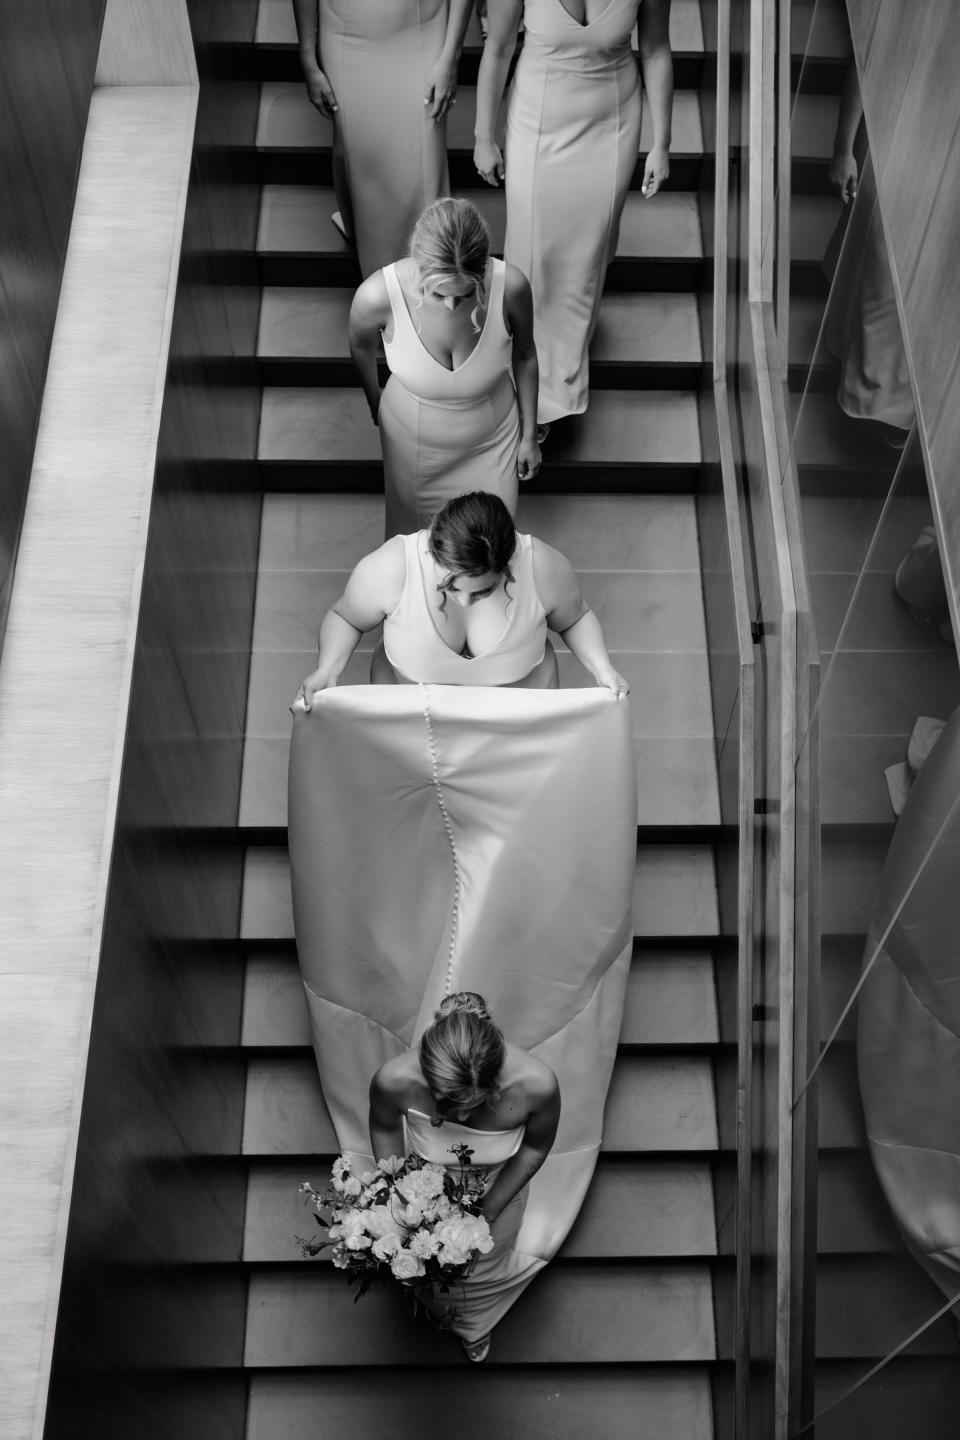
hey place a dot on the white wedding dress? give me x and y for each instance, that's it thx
(465, 838)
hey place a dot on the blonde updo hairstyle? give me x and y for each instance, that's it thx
(462, 1054)
(451, 241)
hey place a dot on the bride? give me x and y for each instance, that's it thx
(466, 1084)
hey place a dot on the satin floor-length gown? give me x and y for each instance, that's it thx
(444, 433)
(377, 55)
(573, 137)
(457, 837)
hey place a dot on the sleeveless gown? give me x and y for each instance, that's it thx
(418, 652)
(377, 55)
(573, 136)
(456, 837)
(446, 432)
(497, 1278)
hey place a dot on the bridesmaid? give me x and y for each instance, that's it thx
(459, 412)
(573, 133)
(386, 74)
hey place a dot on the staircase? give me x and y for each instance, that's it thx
(619, 1336)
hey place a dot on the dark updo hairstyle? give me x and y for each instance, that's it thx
(473, 535)
(461, 1054)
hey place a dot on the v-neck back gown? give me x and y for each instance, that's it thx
(446, 432)
(573, 137)
(377, 55)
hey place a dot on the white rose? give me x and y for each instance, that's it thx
(386, 1246)
(453, 1255)
(406, 1266)
(378, 1221)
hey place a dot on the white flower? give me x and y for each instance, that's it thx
(422, 1185)
(453, 1255)
(387, 1246)
(464, 1233)
(352, 1231)
(423, 1245)
(339, 1258)
(406, 1266)
(378, 1221)
(351, 1186)
(392, 1166)
(411, 1216)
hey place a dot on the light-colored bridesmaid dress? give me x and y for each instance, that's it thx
(377, 55)
(446, 432)
(573, 136)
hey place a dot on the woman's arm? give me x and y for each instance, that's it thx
(503, 22)
(571, 617)
(369, 314)
(306, 13)
(518, 306)
(372, 591)
(539, 1134)
(441, 88)
(656, 61)
(843, 165)
(386, 1118)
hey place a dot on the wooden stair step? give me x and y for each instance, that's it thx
(287, 120)
(676, 781)
(908, 1394)
(674, 892)
(867, 1305)
(665, 607)
(295, 219)
(635, 1209)
(669, 690)
(852, 1213)
(332, 425)
(670, 1000)
(656, 1102)
(595, 532)
(638, 1403)
(305, 322)
(598, 1314)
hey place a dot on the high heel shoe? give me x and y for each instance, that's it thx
(477, 1351)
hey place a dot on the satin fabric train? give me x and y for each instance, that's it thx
(908, 1021)
(454, 837)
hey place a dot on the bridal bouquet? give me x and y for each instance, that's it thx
(411, 1219)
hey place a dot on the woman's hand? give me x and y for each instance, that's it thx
(488, 159)
(611, 679)
(842, 172)
(655, 171)
(441, 90)
(529, 458)
(322, 679)
(320, 91)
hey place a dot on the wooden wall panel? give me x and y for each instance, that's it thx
(48, 55)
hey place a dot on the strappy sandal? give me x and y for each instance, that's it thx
(477, 1351)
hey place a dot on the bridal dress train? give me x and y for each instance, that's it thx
(908, 1023)
(573, 135)
(377, 56)
(462, 838)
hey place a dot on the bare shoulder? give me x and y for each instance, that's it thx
(371, 303)
(516, 286)
(530, 1077)
(554, 575)
(395, 1078)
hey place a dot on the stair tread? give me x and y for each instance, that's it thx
(662, 1103)
(595, 532)
(868, 695)
(670, 1000)
(676, 780)
(296, 219)
(287, 120)
(875, 619)
(843, 532)
(674, 892)
(669, 690)
(311, 323)
(275, 25)
(600, 1314)
(852, 1213)
(866, 1306)
(333, 425)
(644, 1404)
(633, 1210)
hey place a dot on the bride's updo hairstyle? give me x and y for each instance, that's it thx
(461, 1054)
(473, 535)
(451, 241)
